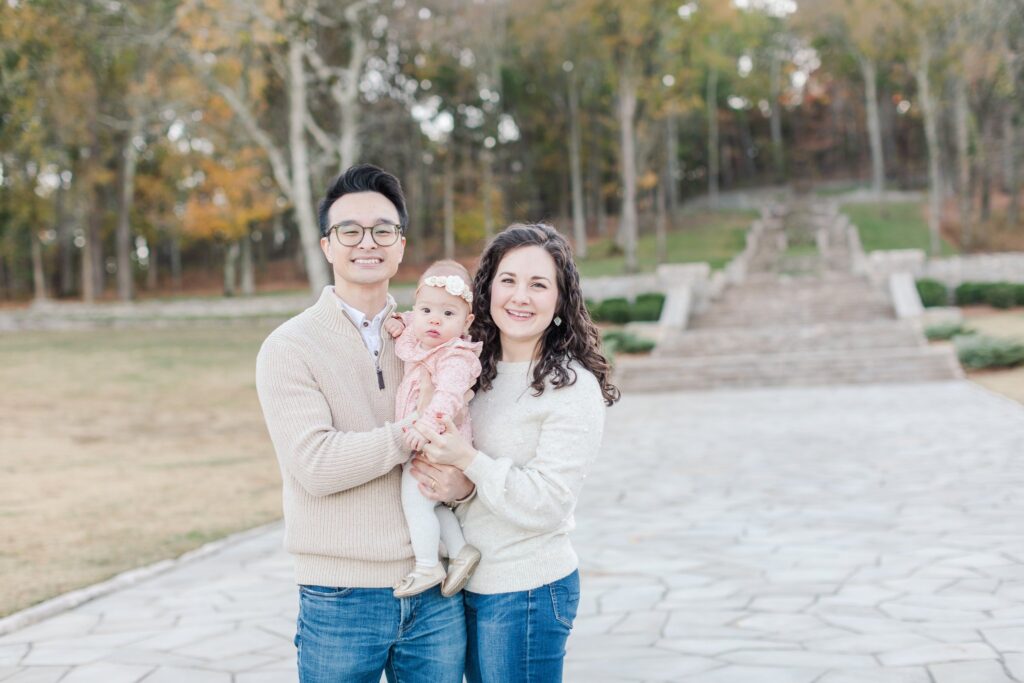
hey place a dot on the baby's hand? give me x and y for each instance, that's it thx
(394, 326)
(414, 440)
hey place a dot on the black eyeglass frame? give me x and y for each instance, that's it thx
(399, 233)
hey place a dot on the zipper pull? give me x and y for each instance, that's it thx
(380, 379)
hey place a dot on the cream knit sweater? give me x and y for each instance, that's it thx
(534, 452)
(340, 456)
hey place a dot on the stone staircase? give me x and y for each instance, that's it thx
(801, 317)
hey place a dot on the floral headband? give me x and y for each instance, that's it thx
(453, 284)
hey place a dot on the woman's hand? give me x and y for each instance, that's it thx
(442, 483)
(450, 448)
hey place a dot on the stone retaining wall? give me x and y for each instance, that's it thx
(950, 270)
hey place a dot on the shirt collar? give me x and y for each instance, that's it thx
(357, 316)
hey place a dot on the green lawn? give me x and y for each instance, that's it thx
(714, 237)
(896, 225)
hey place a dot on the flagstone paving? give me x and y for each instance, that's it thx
(862, 534)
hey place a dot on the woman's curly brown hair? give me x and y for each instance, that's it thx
(576, 339)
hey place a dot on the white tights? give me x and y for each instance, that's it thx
(429, 523)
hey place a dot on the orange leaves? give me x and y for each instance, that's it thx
(230, 199)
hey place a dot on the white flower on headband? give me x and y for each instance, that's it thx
(453, 284)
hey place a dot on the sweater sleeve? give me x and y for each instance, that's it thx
(454, 375)
(322, 459)
(541, 494)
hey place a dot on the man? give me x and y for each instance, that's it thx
(326, 380)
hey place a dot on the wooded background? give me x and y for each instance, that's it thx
(181, 145)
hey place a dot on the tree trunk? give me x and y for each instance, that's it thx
(152, 266)
(778, 158)
(963, 160)
(672, 166)
(985, 166)
(660, 224)
(597, 189)
(346, 91)
(932, 140)
(416, 197)
(309, 231)
(130, 159)
(231, 252)
(746, 145)
(487, 160)
(1012, 163)
(869, 71)
(176, 262)
(92, 252)
(711, 98)
(38, 273)
(65, 241)
(449, 202)
(248, 270)
(579, 224)
(627, 115)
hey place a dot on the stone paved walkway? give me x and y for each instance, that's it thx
(868, 534)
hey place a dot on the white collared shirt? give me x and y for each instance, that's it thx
(369, 329)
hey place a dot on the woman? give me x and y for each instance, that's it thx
(538, 415)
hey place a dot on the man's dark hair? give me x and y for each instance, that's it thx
(364, 178)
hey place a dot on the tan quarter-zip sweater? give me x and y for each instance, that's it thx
(339, 451)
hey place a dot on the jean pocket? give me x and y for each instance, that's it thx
(324, 591)
(565, 600)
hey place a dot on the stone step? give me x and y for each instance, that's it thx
(835, 336)
(749, 318)
(918, 364)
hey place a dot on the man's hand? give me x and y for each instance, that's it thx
(394, 326)
(442, 483)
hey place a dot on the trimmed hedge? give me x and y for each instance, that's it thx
(978, 351)
(647, 307)
(932, 292)
(625, 342)
(615, 310)
(1002, 295)
(946, 331)
(995, 294)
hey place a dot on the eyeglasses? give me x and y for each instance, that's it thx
(351, 234)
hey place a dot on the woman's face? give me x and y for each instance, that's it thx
(524, 294)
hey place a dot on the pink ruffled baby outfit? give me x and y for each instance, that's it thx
(453, 368)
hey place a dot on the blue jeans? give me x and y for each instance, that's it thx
(351, 635)
(520, 637)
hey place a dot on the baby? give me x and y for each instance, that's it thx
(441, 365)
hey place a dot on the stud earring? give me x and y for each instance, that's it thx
(557, 321)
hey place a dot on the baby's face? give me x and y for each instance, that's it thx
(438, 316)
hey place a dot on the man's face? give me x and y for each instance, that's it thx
(367, 262)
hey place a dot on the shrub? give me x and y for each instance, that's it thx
(1018, 295)
(616, 341)
(592, 309)
(647, 307)
(614, 310)
(1001, 295)
(978, 351)
(933, 292)
(969, 293)
(945, 331)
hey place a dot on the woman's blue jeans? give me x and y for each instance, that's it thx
(520, 637)
(353, 634)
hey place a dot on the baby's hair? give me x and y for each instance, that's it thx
(447, 267)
